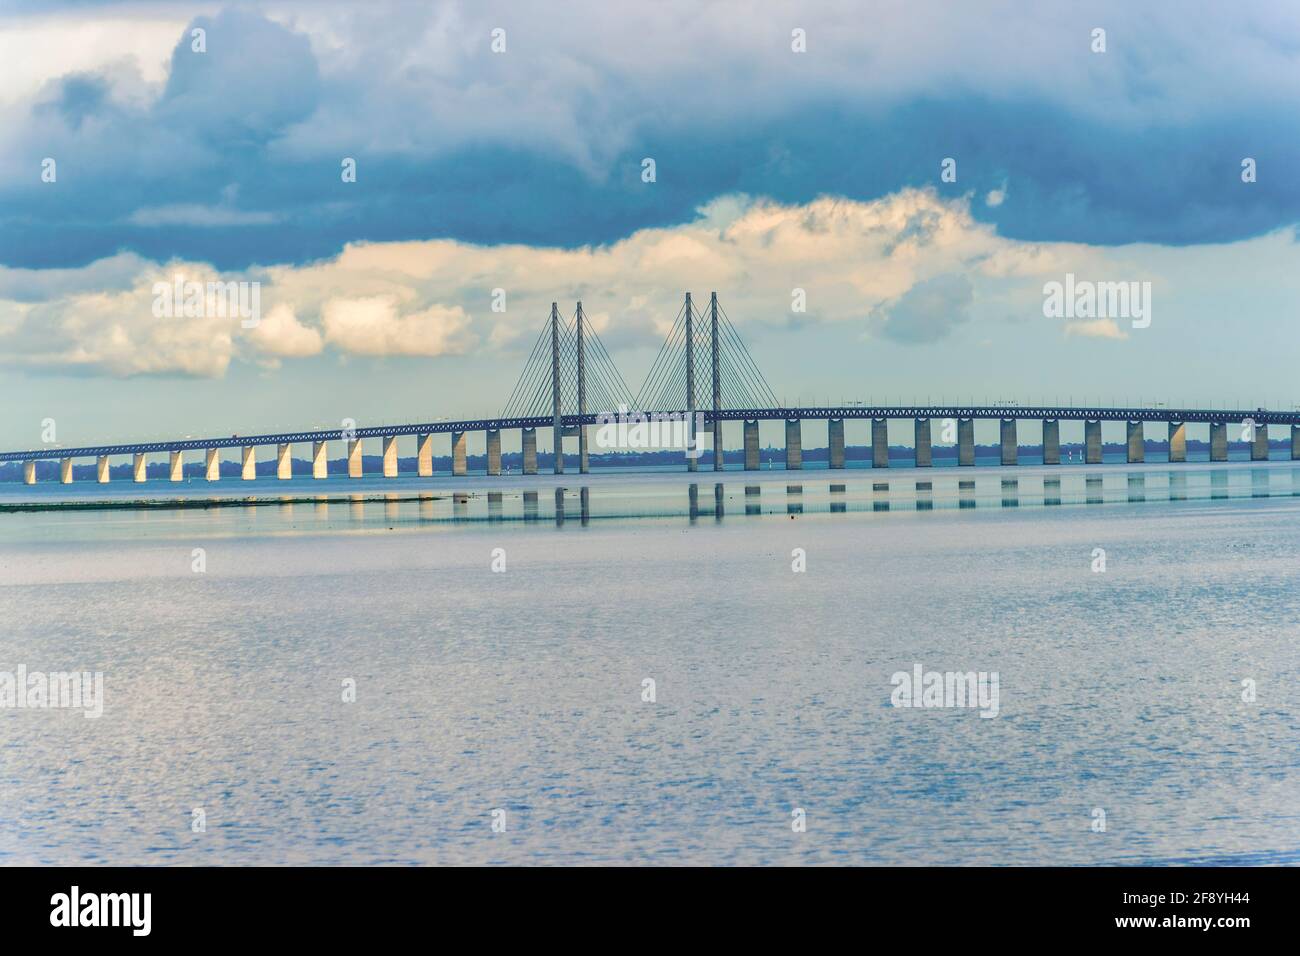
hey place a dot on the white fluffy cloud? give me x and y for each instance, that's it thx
(1096, 329)
(912, 268)
(281, 335)
(375, 326)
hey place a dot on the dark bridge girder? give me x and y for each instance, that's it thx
(983, 412)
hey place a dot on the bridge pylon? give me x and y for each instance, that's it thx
(568, 372)
(704, 346)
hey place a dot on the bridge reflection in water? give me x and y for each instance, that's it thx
(582, 505)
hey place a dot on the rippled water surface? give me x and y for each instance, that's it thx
(523, 690)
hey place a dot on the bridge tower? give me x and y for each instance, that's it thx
(568, 373)
(692, 464)
(557, 421)
(735, 380)
(583, 466)
(717, 382)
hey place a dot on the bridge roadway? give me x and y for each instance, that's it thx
(922, 415)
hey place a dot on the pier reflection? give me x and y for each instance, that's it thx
(656, 499)
(838, 504)
(1051, 492)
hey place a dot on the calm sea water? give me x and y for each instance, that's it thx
(523, 691)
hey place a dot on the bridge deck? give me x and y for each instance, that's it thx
(984, 412)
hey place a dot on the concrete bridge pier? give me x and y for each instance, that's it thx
(139, 467)
(212, 465)
(1010, 449)
(835, 442)
(584, 463)
(793, 444)
(1137, 450)
(528, 445)
(879, 443)
(390, 456)
(176, 466)
(965, 441)
(751, 446)
(284, 461)
(249, 471)
(494, 452)
(459, 464)
(424, 456)
(354, 458)
(65, 470)
(1092, 442)
(1177, 441)
(29, 472)
(1259, 446)
(1051, 441)
(922, 432)
(319, 459)
(1295, 442)
(101, 469)
(1218, 441)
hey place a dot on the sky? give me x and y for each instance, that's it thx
(879, 193)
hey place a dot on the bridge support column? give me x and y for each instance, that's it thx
(1051, 441)
(1136, 443)
(390, 456)
(459, 465)
(965, 441)
(212, 465)
(1259, 446)
(1177, 441)
(793, 444)
(101, 469)
(528, 445)
(1092, 442)
(139, 467)
(354, 458)
(835, 442)
(284, 461)
(584, 461)
(1010, 450)
(879, 443)
(1295, 442)
(320, 459)
(65, 471)
(494, 451)
(921, 433)
(250, 463)
(1218, 441)
(177, 466)
(424, 456)
(29, 472)
(751, 446)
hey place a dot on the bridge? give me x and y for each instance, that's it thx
(570, 383)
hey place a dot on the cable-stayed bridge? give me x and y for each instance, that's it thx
(703, 376)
